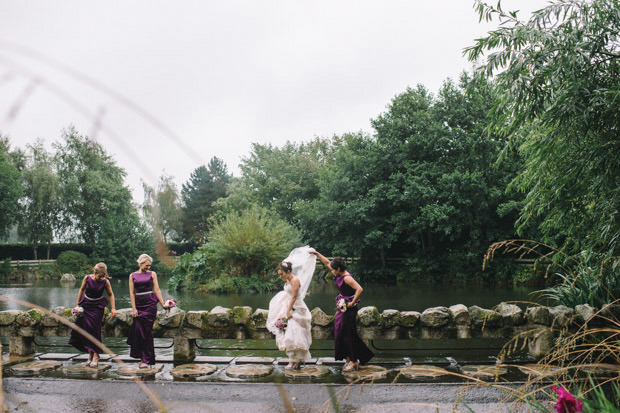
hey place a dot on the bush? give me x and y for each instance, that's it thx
(73, 262)
(193, 270)
(242, 254)
(48, 269)
(5, 267)
(252, 242)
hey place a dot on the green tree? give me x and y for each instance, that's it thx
(205, 186)
(280, 178)
(39, 208)
(162, 209)
(423, 188)
(558, 103)
(92, 186)
(121, 240)
(97, 205)
(10, 186)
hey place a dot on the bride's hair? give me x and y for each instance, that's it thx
(285, 266)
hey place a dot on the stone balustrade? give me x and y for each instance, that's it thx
(538, 325)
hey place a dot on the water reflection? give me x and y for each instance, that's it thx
(413, 297)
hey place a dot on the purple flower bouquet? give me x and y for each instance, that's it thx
(282, 323)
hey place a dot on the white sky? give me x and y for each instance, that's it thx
(166, 85)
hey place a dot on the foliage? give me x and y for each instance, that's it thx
(162, 209)
(48, 270)
(92, 187)
(558, 104)
(10, 187)
(582, 282)
(252, 242)
(121, 240)
(39, 208)
(241, 255)
(73, 262)
(586, 285)
(24, 251)
(193, 269)
(205, 186)
(280, 178)
(5, 267)
(424, 188)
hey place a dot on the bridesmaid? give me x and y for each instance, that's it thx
(347, 344)
(144, 293)
(91, 299)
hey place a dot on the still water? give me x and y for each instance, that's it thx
(409, 297)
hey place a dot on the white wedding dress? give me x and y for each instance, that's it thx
(295, 340)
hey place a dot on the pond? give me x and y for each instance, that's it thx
(403, 297)
(411, 297)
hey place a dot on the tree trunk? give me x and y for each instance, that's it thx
(382, 252)
(34, 250)
(47, 255)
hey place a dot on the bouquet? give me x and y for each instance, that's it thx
(77, 311)
(341, 305)
(282, 323)
(171, 303)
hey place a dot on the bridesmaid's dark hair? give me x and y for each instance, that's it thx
(286, 266)
(338, 264)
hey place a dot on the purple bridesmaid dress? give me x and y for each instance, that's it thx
(93, 302)
(141, 333)
(346, 341)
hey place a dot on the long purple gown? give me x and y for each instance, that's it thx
(93, 302)
(141, 334)
(346, 341)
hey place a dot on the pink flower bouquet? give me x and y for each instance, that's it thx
(282, 323)
(171, 303)
(77, 311)
(341, 305)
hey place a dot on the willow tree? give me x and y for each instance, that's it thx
(39, 208)
(558, 103)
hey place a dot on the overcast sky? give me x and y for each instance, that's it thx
(166, 85)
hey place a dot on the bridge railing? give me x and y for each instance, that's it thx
(538, 326)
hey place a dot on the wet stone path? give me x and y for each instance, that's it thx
(257, 369)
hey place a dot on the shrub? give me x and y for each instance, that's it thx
(252, 242)
(47, 269)
(5, 267)
(73, 262)
(242, 253)
(192, 270)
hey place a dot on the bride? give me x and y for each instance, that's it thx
(289, 318)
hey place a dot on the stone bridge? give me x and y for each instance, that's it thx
(537, 325)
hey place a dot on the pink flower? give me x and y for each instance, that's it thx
(567, 403)
(282, 323)
(173, 252)
(170, 302)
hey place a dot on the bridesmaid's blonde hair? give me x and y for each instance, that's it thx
(101, 268)
(143, 258)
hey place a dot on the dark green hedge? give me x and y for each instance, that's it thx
(25, 252)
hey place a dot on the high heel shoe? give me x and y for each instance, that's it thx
(298, 365)
(350, 367)
(94, 364)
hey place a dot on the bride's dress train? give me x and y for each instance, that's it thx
(296, 339)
